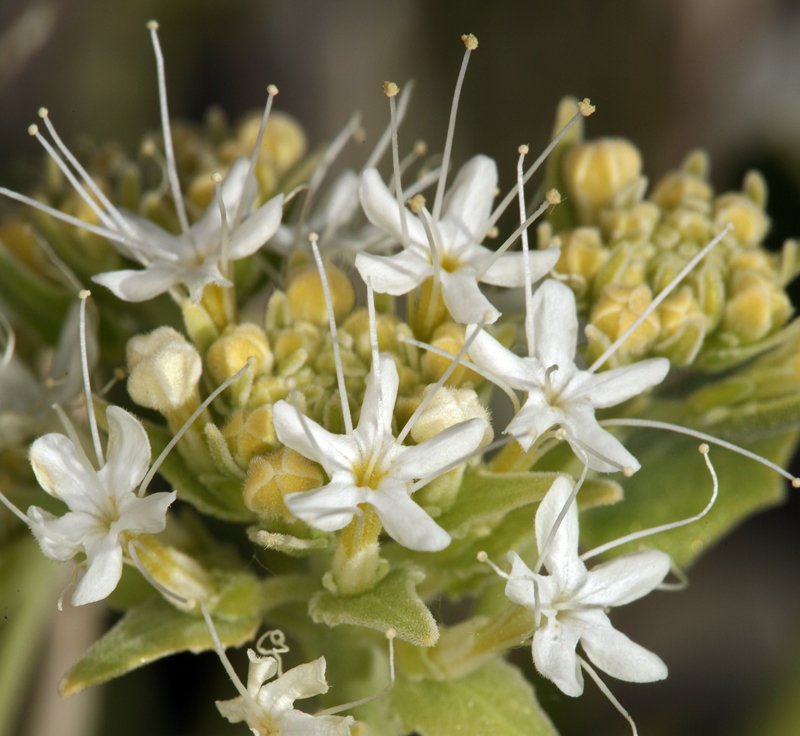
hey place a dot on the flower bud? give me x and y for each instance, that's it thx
(448, 337)
(448, 407)
(683, 327)
(683, 189)
(250, 433)
(755, 306)
(164, 371)
(618, 308)
(270, 479)
(637, 222)
(230, 352)
(307, 297)
(582, 254)
(749, 220)
(596, 172)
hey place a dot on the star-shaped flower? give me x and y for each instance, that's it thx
(192, 258)
(560, 393)
(369, 466)
(573, 601)
(466, 212)
(104, 508)
(269, 710)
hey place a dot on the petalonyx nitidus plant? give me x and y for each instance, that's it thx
(351, 342)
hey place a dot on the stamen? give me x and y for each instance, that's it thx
(73, 579)
(337, 357)
(172, 169)
(585, 108)
(217, 179)
(504, 387)
(279, 647)
(548, 385)
(483, 557)
(249, 191)
(663, 527)
(660, 298)
(383, 141)
(453, 365)
(390, 89)
(420, 149)
(377, 447)
(651, 424)
(561, 514)
(523, 150)
(149, 578)
(98, 449)
(110, 208)
(223, 657)
(604, 689)
(683, 579)
(471, 43)
(251, 361)
(390, 635)
(626, 470)
(425, 216)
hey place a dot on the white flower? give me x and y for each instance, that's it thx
(559, 393)
(104, 507)
(466, 212)
(192, 258)
(369, 466)
(269, 710)
(573, 601)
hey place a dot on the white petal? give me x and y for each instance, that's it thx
(397, 274)
(147, 232)
(131, 285)
(332, 451)
(581, 423)
(339, 202)
(59, 537)
(102, 574)
(406, 522)
(256, 229)
(624, 579)
(468, 203)
(555, 324)
(380, 207)
(534, 418)
(509, 269)
(614, 386)
(197, 278)
(520, 586)
(436, 453)
(487, 353)
(260, 670)
(146, 515)
(562, 560)
(554, 656)
(330, 507)
(369, 429)
(464, 300)
(207, 230)
(303, 681)
(615, 653)
(127, 456)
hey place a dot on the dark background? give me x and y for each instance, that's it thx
(670, 76)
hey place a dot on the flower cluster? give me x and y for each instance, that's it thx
(339, 397)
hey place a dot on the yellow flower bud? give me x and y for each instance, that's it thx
(307, 298)
(450, 406)
(596, 172)
(680, 188)
(749, 220)
(284, 142)
(357, 325)
(582, 254)
(617, 309)
(755, 306)
(637, 222)
(237, 343)
(250, 433)
(271, 478)
(448, 337)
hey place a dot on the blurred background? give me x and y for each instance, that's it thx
(671, 76)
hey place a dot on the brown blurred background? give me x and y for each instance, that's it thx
(671, 76)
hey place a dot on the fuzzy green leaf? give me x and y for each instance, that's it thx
(495, 699)
(152, 631)
(674, 484)
(392, 603)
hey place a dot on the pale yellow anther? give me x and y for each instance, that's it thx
(43, 112)
(84, 294)
(416, 203)
(33, 129)
(703, 449)
(120, 373)
(359, 135)
(420, 148)
(553, 196)
(561, 434)
(216, 177)
(390, 89)
(523, 149)
(251, 361)
(493, 233)
(148, 148)
(470, 42)
(628, 471)
(390, 633)
(487, 316)
(152, 25)
(482, 556)
(795, 482)
(313, 237)
(291, 384)
(272, 90)
(586, 108)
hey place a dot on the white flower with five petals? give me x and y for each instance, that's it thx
(369, 466)
(269, 711)
(194, 255)
(103, 506)
(466, 212)
(573, 601)
(558, 392)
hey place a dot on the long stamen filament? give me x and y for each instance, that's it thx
(526, 256)
(383, 141)
(223, 657)
(98, 448)
(604, 689)
(148, 577)
(216, 178)
(391, 90)
(663, 294)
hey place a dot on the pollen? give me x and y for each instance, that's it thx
(390, 89)
(470, 42)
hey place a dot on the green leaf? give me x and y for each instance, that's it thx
(495, 699)
(392, 603)
(674, 484)
(152, 631)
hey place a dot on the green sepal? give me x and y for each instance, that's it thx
(495, 699)
(675, 484)
(392, 603)
(220, 452)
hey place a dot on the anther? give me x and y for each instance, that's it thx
(493, 233)
(148, 148)
(152, 25)
(216, 177)
(272, 90)
(482, 556)
(291, 384)
(704, 448)
(553, 196)
(795, 482)
(390, 633)
(628, 471)
(359, 135)
(586, 108)
(416, 203)
(523, 150)
(470, 42)
(43, 112)
(313, 237)
(390, 89)
(561, 434)
(84, 294)
(420, 148)
(120, 373)
(33, 129)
